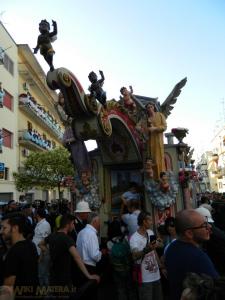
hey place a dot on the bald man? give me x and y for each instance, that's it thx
(185, 255)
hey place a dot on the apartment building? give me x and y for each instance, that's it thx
(217, 161)
(8, 114)
(212, 164)
(28, 118)
(205, 169)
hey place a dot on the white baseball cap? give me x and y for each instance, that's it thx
(205, 213)
(82, 206)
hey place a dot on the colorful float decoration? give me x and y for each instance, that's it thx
(161, 193)
(136, 119)
(87, 189)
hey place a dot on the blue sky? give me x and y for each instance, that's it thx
(149, 44)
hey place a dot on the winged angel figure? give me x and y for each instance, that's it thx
(152, 124)
(161, 187)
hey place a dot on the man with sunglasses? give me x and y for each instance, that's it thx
(215, 247)
(185, 255)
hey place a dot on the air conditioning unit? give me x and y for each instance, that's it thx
(26, 152)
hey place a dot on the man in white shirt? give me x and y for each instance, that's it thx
(87, 241)
(88, 247)
(42, 229)
(143, 253)
(81, 214)
(130, 219)
(131, 194)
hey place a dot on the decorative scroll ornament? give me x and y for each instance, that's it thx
(65, 78)
(105, 122)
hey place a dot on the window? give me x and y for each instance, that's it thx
(45, 195)
(8, 63)
(5, 197)
(7, 138)
(8, 101)
(29, 197)
(54, 194)
(6, 173)
(29, 126)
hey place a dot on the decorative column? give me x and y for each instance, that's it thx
(184, 174)
(169, 137)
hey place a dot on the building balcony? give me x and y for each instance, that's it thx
(40, 116)
(33, 141)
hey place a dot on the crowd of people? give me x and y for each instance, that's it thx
(51, 252)
(41, 112)
(35, 137)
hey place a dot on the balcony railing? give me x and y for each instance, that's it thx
(40, 116)
(34, 141)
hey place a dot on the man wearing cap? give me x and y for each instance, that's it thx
(215, 247)
(205, 202)
(81, 214)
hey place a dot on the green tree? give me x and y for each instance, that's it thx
(44, 170)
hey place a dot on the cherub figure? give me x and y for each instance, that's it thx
(96, 87)
(44, 41)
(85, 178)
(162, 193)
(127, 98)
(149, 168)
(2, 95)
(164, 184)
